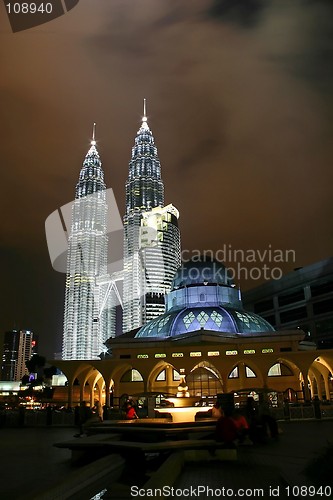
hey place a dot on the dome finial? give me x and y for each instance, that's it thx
(93, 141)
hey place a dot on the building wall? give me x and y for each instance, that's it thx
(302, 299)
(309, 373)
(17, 349)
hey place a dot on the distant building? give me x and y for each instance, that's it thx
(18, 347)
(302, 299)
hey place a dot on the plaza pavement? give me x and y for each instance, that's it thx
(30, 464)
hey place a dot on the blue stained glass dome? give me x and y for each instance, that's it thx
(204, 298)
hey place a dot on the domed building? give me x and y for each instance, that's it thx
(206, 337)
(203, 297)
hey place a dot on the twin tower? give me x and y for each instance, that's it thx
(95, 293)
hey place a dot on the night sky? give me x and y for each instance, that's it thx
(240, 96)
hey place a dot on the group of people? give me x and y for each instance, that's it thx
(87, 416)
(232, 426)
(252, 426)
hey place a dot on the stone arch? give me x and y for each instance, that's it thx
(280, 383)
(321, 379)
(169, 385)
(244, 382)
(80, 371)
(123, 387)
(325, 361)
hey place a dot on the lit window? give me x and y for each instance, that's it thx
(202, 318)
(213, 353)
(249, 373)
(132, 376)
(177, 354)
(234, 373)
(265, 351)
(278, 370)
(249, 351)
(160, 355)
(231, 353)
(175, 375)
(275, 370)
(217, 318)
(188, 319)
(195, 354)
(142, 356)
(161, 377)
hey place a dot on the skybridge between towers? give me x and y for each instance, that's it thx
(110, 281)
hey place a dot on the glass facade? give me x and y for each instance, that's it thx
(85, 325)
(151, 236)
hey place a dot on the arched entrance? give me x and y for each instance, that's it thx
(204, 380)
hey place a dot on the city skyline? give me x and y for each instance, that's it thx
(241, 107)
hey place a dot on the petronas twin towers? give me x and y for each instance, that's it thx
(151, 252)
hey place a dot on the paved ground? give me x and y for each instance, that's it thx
(29, 462)
(275, 469)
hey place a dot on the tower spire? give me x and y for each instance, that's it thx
(93, 141)
(144, 109)
(144, 118)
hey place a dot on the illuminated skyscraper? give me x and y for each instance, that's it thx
(85, 324)
(151, 235)
(18, 347)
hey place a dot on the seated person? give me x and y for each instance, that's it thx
(241, 425)
(226, 430)
(217, 411)
(130, 412)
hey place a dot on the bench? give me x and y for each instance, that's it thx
(136, 452)
(140, 433)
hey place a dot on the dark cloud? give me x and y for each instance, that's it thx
(245, 13)
(298, 37)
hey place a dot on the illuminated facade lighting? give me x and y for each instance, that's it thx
(249, 351)
(231, 353)
(151, 235)
(85, 326)
(213, 353)
(18, 347)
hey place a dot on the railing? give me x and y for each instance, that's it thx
(301, 412)
(40, 418)
(36, 418)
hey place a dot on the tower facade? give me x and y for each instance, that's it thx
(85, 322)
(151, 235)
(18, 348)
